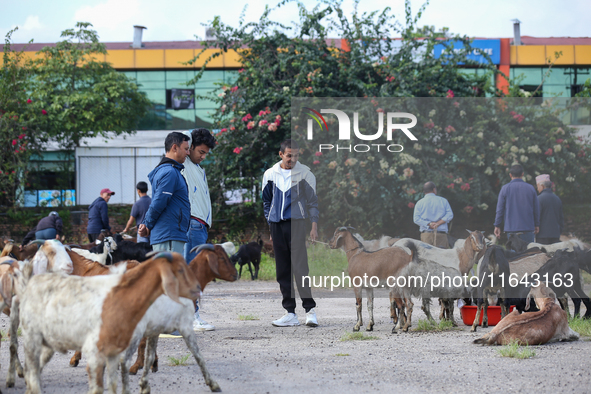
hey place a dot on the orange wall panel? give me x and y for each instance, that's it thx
(149, 58)
(232, 59)
(567, 57)
(174, 58)
(583, 54)
(122, 58)
(531, 54)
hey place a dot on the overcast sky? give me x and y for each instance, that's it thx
(180, 20)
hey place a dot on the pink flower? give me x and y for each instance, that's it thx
(273, 127)
(456, 104)
(559, 141)
(450, 129)
(250, 125)
(408, 172)
(430, 125)
(262, 123)
(316, 162)
(246, 118)
(380, 110)
(465, 187)
(241, 70)
(548, 152)
(223, 130)
(318, 153)
(13, 142)
(411, 205)
(232, 128)
(450, 93)
(29, 101)
(468, 208)
(234, 88)
(451, 186)
(261, 113)
(278, 117)
(44, 112)
(20, 137)
(440, 151)
(237, 150)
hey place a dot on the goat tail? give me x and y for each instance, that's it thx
(413, 250)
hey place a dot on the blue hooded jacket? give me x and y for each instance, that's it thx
(98, 216)
(169, 214)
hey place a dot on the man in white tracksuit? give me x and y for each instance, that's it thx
(201, 142)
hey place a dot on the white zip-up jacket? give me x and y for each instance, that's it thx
(198, 191)
(296, 200)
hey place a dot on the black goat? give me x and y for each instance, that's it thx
(515, 243)
(247, 254)
(491, 269)
(125, 250)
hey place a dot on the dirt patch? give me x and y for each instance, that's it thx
(251, 356)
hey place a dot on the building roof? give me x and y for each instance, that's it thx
(141, 139)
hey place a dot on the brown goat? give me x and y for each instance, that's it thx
(21, 255)
(386, 264)
(550, 324)
(87, 267)
(206, 266)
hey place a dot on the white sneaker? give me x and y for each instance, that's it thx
(201, 325)
(311, 318)
(288, 320)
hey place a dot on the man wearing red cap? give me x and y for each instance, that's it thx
(98, 215)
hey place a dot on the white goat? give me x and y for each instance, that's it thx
(384, 241)
(229, 247)
(109, 245)
(430, 262)
(569, 245)
(95, 314)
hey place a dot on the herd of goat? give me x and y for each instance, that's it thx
(407, 258)
(102, 302)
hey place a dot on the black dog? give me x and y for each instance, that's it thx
(247, 254)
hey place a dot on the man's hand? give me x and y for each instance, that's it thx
(314, 232)
(20, 247)
(536, 230)
(57, 236)
(498, 232)
(143, 231)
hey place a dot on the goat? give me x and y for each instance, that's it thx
(229, 247)
(550, 324)
(10, 249)
(100, 255)
(384, 241)
(569, 245)
(492, 269)
(166, 316)
(432, 261)
(247, 254)
(385, 264)
(128, 250)
(86, 267)
(96, 314)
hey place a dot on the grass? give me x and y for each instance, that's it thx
(514, 350)
(582, 326)
(322, 261)
(176, 362)
(426, 325)
(357, 336)
(5, 336)
(248, 317)
(342, 354)
(586, 277)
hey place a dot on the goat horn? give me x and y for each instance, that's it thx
(342, 229)
(469, 232)
(8, 262)
(350, 228)
(10, 240)
(38, 241)
(68, 247)
(199, 248)
(166, 255)
(74, 246)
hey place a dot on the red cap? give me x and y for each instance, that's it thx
(107, 190)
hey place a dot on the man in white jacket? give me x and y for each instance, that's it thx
(201, 142)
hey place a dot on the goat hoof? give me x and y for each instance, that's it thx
(484, 325)
(355, 329)
(20, 374)
(133, 370)
(9, 384)
(394, 331)
(369, 328)
(74, 363)
(214, 387)
(473, 329)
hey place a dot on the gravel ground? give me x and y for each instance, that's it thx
(254, 357)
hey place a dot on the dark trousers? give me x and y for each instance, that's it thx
(547, 241)
(291, 262)
(93, 237)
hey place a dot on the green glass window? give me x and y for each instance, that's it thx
(527, 75)
(203, 118)
(155, 95)
(559, 76)
(556, 91)
(210, 80)
(182, 119)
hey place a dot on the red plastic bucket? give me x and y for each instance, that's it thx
(468, 313)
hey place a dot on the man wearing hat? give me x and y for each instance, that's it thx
(98, 215)
(551, 218)
(50, 227)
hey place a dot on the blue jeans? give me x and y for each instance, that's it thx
(527, 236)
(197, 235)
(48, 233)
(169, 246)
(142, 239)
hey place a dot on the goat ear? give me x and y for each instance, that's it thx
(213, 261)
(170, 284)
(527, 302)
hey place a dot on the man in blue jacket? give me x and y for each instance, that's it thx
(551, 216)
(289, 197)
(518, 207)
(98, 215)
(167, 219)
